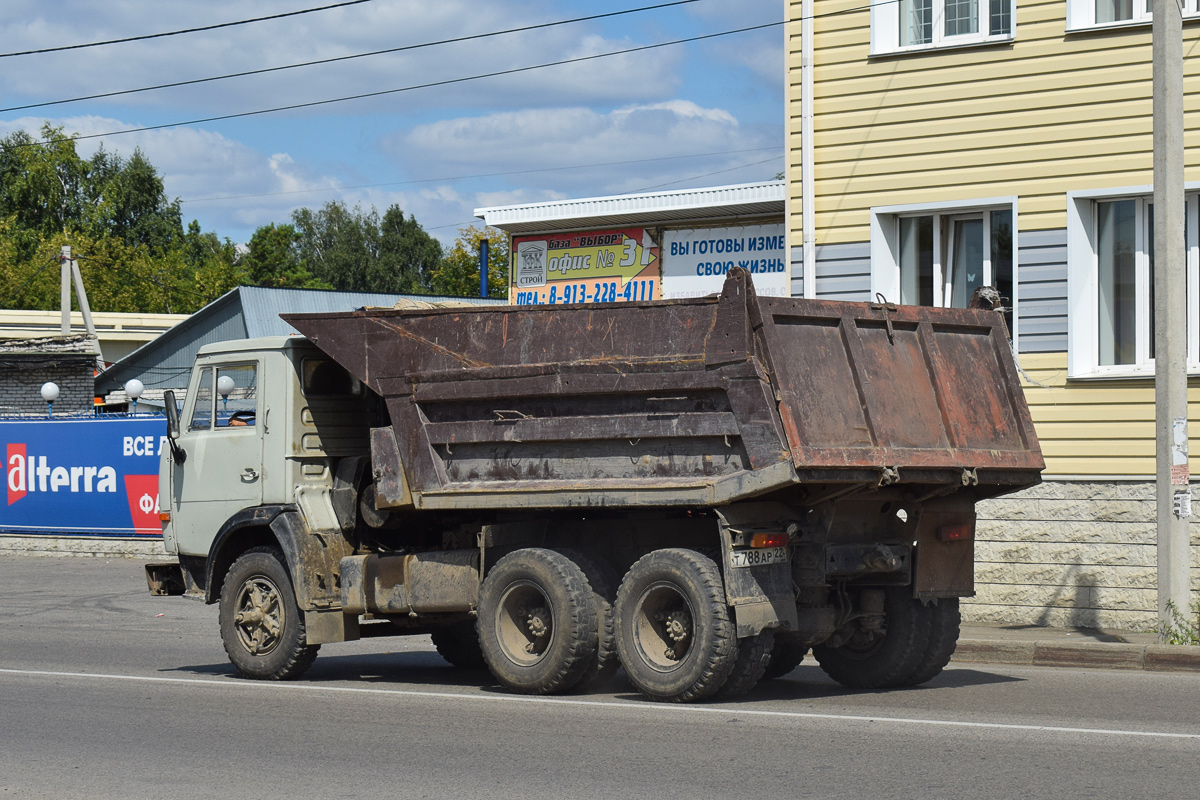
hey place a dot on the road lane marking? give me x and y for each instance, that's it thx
(563, 701)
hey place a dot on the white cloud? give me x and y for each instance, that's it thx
(592, 144)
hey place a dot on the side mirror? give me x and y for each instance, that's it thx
(172, 410)
(172, 414)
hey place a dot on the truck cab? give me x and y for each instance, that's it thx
(260, 431)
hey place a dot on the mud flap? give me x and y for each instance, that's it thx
(945, 557)
(761, 596)
(330, 625)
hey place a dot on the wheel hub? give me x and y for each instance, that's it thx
(537, 622)
(259, 616)
(677, 627)
(524, 623)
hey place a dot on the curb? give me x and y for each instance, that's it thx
(81, 546)
(1154, 657)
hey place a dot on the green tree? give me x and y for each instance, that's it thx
(273, 259)
(408, 255)
(48, 188)
(458, 274)
(214, 262)
(355, 250)
(114, 213)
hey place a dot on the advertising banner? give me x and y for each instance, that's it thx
(695, 261)
(90, 475)
(585, 267)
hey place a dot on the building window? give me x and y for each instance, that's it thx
(924, 24)
(1088, 14)
(938, 256)
(1110, 283)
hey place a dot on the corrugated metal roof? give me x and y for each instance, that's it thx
(261, 307)
(651, 208)
(242, 313)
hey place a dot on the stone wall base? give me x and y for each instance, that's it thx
(81, 546)
(1070, 553)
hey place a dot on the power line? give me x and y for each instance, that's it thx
(185, 30)
(482, 175)
(336, 59)
(707, 174)
(381, 93)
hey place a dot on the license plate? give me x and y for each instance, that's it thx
(758, 557)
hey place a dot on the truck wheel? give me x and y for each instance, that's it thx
(537, 622)
(603, 580)
(786, 655)
(885, 660)
(754, 654)
(459, 645)
(674, 635)
(262, 628)
(944, 618)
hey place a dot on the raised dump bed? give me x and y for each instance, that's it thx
(696, 402)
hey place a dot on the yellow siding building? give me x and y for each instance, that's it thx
(942, 144)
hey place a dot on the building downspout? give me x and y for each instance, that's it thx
(808, 202)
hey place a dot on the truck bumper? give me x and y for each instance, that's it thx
(165, 579)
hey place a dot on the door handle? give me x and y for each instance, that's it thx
(249, 475)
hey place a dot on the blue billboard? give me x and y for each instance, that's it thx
(82, 476)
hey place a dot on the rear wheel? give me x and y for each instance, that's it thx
(604, 581)
(944, 623)
(754, 654)
(459, 645)
(786, 655)
(676, 640)
(537, 622)
(262, 628)
(881, 659)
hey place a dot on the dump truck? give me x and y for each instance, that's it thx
(699, 491)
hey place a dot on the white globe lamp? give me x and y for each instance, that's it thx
(134, 388)
(50, 394)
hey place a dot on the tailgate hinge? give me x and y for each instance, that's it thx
(886, 307)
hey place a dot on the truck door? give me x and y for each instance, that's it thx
(223, 437)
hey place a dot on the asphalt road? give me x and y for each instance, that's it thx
(106, 692)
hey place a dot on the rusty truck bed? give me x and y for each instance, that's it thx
(683, 402)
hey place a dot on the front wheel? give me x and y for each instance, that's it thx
(674, 635)
(262, 628)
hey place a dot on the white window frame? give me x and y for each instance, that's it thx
(885, 246)
(1081, 15)
(885, 28)
(1083, 337)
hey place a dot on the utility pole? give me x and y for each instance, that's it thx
(483, 267)
(1174, 499)
(70, 270)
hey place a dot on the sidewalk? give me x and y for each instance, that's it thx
(1071, 647)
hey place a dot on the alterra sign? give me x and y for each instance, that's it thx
(695, 262)
(82, 476)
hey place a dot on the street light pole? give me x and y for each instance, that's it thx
(1174, 506)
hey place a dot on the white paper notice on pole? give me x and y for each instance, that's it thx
(696, 261)
(1182, 504)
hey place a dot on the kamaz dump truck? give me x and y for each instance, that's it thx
(699, 491)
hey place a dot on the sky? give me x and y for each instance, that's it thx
(701, 113)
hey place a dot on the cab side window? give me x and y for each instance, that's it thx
(237, 396)
(202, 412)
